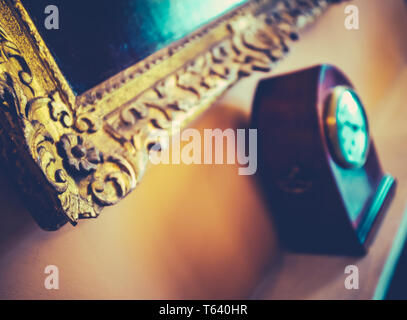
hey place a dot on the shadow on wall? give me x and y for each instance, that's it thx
(187, 231)
(14, 216)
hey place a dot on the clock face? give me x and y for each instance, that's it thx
(348, 130)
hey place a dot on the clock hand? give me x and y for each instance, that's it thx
(353, 126)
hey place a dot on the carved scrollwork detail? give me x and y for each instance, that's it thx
(87, 119)
(7, 47)
(59, 111)
(41, 145)
(253, 44)
(113, 180)
(34, 122)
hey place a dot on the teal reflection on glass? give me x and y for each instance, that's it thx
(175, 18)
(352, 126)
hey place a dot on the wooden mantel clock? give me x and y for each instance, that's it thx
(319, 165)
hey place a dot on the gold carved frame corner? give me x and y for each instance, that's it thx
(73, 155)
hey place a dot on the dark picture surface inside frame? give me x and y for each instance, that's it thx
(98, 39)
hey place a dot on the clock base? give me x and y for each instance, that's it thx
(314, 237)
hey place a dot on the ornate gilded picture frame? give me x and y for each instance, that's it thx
(76, 149)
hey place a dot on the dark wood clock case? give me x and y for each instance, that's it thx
(317, 204)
